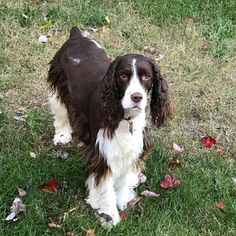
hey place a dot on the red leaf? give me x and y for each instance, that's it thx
(170, 182)
(49, 187)
(123, 215)
(208, 141)
(134, 201)
(220, 205)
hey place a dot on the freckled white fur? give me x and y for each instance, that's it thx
(97, 44)
(134, 87)
(62, 126)
(120, 152)
(75, 60)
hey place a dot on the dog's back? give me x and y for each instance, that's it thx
(75, 75)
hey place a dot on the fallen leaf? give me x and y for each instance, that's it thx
(170, 182)
(123, 215)
(21, 192)
(46, 26)
(63, 155)
(107, 20)
(177, 148)
(150, 49)
(149, 194)
(90, 232)
(174, 163)
(208, 141)
(71, 234)
(134, 201)
(220, 150)
(205, 46)
(19, 117)
(32, 154)
(24, 15)
(49, 187)
(86, 34)
(234, 180)
(43, 39)
(56, 222)
(160, 57)
(105, 29)
(17, 206)
(220, 205)
(142, 178)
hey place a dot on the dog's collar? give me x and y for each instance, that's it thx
(130, 121)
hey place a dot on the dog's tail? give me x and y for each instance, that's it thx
(75, 33)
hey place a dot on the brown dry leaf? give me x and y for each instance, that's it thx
(174, 163)
(53, 225)
(90, 232)
(105, 29)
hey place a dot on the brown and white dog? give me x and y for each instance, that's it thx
(103, 103)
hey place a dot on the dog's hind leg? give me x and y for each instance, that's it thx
(62, 126)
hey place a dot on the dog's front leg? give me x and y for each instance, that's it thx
(102, 198)
(125, 189)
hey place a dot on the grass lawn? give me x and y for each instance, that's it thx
(198, 41)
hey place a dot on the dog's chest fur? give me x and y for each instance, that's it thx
(124, 148)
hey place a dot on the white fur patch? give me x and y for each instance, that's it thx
(97, 44)
(75, 60)
(62, 126)
(121, 153)
(134, 87)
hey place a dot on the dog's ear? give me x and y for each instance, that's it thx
(112, 111)
(161, 105)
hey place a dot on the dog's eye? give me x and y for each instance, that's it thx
(146, 77)
(123, 77)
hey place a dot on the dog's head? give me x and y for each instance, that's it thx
(125, 89)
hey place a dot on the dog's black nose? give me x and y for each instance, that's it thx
(136, 97)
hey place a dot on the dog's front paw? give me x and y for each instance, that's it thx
(62, 138)
(109, 219)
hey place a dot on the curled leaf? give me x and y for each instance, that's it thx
(17, 206)
(21, 192)
(220, 205)
(49, 187)
(208, 141)
(174, 163)
(170, 182)
(149, 194)
(134, 201)
(123, 215)
(177, 148)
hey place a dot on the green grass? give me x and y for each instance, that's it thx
(203, 86)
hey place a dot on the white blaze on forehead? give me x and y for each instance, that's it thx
(134, 87)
